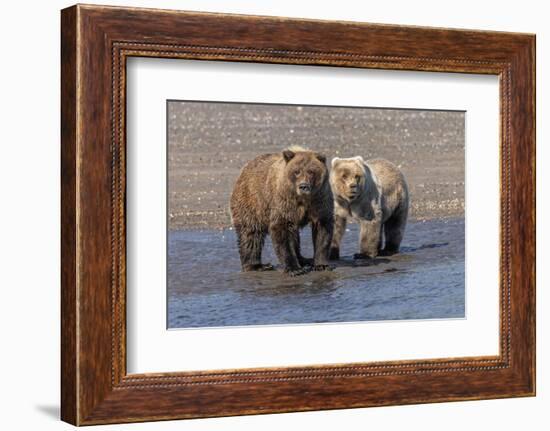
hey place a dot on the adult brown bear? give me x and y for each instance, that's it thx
(277, 194)
(375, 194)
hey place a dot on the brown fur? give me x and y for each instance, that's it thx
(277, 194)
(375, 194)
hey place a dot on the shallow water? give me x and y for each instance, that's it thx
(425, 281)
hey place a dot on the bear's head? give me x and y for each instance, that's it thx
(348, 177)
(305, 170)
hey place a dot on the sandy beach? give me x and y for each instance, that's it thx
(209, 143)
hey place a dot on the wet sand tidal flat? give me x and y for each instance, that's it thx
(424, 281)
(208, 144)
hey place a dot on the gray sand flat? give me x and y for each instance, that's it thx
(209, 143)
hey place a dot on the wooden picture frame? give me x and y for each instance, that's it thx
(95, 43)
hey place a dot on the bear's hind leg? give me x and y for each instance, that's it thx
(394, 229)
(250, 244)
(322, 231)
(304, 261)
(283, 238)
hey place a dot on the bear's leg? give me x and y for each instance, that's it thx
(322, 231)
(369, 238)
(304, 261)
(283, 237)
(339, 229)
(250, 244)
(394, 229)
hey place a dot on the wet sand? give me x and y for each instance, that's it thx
(425, 281)
(209, 143)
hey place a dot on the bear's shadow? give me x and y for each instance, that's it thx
(405, 249)
(350, 262)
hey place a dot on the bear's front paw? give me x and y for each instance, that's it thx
(334, 253)
(323, 267)
(296, 272)
(258, 267)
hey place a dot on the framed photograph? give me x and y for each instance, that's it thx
(264, 214)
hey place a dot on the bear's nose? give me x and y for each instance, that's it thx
(304, 187)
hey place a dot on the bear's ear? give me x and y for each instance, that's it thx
(359, 159)
(321, 157)
(288, 155)
(335, 161)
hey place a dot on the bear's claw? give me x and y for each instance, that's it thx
(296, 272)
(258, 267)
(322, 268)
(266, 267)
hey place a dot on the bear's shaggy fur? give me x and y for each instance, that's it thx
(375, 194)
(277, 194)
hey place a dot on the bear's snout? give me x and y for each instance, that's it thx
(304, 187)
(353, 190)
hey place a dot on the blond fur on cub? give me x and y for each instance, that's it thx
(375, 194)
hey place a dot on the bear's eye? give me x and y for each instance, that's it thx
(296, 172)
(345, 176)
(357, 178)
(311, 172)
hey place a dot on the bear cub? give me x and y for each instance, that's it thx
(375, 194)
(277, 194)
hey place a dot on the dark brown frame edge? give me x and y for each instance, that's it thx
(95, 43)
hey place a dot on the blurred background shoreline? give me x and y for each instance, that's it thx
(209, 143)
